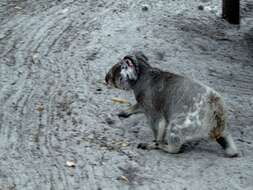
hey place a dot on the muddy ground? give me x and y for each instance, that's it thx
(54, 107)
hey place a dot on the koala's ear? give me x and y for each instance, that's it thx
(140, 56)
(128, 69)
(129, 62)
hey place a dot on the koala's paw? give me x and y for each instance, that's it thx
(143, 146)
(174, 139)
(148, 146)
(123, 114)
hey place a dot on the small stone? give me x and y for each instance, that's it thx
(18, 8)
(144, 8)
(65, 10)
(109, 121)
(2, 36)
(136, 131)
(124, 144)
(200, 7)
(71, 164)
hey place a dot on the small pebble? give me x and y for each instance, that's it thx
(71, 164)
(109, 121)
(200, 7)
(144, 8)
(2, 36)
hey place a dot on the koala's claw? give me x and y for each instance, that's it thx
(123, 114)
(148, 146)
(174, 139)
(142, 146)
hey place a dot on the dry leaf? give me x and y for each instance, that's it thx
(124, 144)
(121, 144)
(70, 164)
(123, 178)
(101, 82)
(40, 108)
(19, 8)
(121, 101)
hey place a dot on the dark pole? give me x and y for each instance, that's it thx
(231, 11)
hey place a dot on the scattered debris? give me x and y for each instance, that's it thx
(2, 36)
(120, 101)
(121, 144)
(65, 10)
(109, 121)
(35, 58)
(18, 8)
(123, 178)
(124, 144)
(244, 141)
(40, 108)
(212, 9)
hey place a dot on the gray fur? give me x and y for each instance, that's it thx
(178, 108)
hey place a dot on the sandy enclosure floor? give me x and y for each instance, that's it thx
(54, 107)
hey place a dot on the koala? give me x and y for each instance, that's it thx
(178, 109)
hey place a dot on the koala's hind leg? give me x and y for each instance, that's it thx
(170, 148)
(219, 132)
(174, 142)
(227, 143)
(135, 109)
(161, 131)
(158, 127)
(223, 137)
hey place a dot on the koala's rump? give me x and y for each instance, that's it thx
(193, 109)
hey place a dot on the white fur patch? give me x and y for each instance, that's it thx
(161, 129)
(231, 150)
(193, 118)
(128, 73)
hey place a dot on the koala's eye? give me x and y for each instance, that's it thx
(123, 67)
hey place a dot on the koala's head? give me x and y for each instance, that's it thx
(127, 71)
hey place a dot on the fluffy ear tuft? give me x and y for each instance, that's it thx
(128, 69)
(140, 56)
(129, 62)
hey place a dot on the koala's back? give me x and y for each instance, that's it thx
(168, 93)
(186, 104)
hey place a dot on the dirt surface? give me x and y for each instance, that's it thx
(55, 109)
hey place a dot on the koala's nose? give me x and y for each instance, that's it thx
(107, 78)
